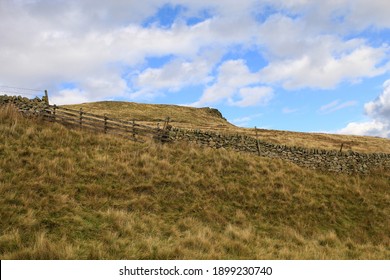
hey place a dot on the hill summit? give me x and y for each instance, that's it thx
(181, 116)
(209, 119)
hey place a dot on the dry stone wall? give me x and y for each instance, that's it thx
(347, 162)
(25, 105)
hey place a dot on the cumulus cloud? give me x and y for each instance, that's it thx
(53, 42)
(251, 96)
(101, 86)
(300, 57)
(372, 128)
(307, 71)
(69, 96)
(174, 75)
(96, 44)
(379, 113)
(237, 85)
(365, 13)
(380, 108)
(353, 15)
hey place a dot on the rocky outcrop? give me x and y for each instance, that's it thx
(214, 112)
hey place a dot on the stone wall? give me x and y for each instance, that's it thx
(346, 162)
(25, 105)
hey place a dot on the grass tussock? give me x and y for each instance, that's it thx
(69, 194)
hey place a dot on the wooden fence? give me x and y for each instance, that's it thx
(128, 129)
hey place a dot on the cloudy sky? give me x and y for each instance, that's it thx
(296, 65)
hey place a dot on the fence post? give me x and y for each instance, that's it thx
(46, 97)
(257, 142)
(164, 134)
(134, 129)
(341, 148)
(54, 112)
(81, 117)
(105, 123)
(166, 123)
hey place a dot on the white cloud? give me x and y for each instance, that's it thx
(69, 96)
(234, 77)
(338, 15)
(329, 106)
(251, 96)
(373, 128)
(379, 111)
(53, 42)
(300, 58)
(336, 105)
(380, 108)
(366, 13)
(244, 121)
(95, 44)
(104, 86)
(175, 75)
(307, 50)
(235, 73)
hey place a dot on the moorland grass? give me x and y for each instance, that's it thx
(207, 119)
(71, 194)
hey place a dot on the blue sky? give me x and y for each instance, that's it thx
(312, 66)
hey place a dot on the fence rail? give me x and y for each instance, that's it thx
(101, 123)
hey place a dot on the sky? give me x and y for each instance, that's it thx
(298, 65)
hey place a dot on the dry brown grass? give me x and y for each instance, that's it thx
(69, 194)
(208, 120)
(153, 113)
(362, 144)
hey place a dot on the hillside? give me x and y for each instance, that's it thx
(208, 119)
(71, 194)
(180, 116)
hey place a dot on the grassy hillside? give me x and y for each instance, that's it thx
(212, 120)
(180, 116)
(69, 194)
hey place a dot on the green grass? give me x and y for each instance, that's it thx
(70, 194)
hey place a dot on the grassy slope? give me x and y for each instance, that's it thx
(180, 115)
(71, 194)
(206, 119)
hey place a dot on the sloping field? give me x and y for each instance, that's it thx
(180, 116)
(70, 194)
(212, 120)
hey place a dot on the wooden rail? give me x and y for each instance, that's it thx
(128, 129)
